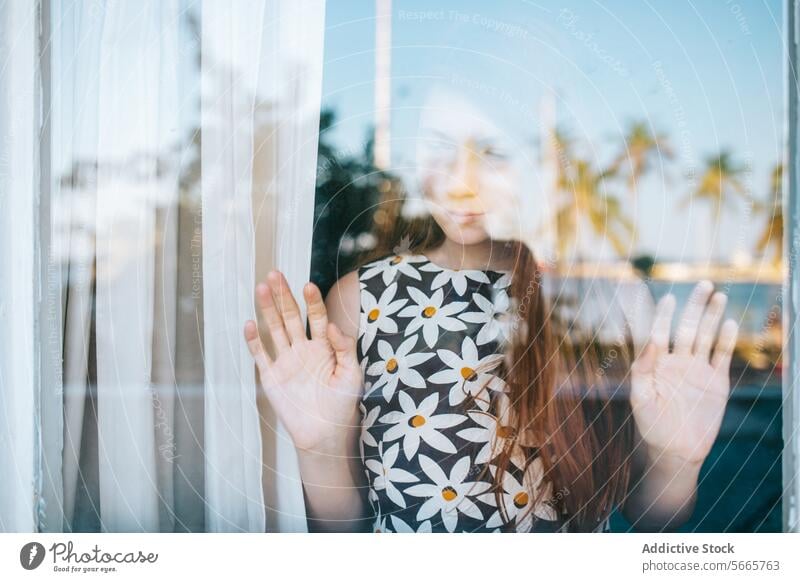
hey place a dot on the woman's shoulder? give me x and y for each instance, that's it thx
(347, 282)
(348, 287)
(344, 298)
(343, 303)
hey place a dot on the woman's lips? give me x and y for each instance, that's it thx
(464, 217)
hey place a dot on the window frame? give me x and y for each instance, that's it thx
(791, 287)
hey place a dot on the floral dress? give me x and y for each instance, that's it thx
(430, 345)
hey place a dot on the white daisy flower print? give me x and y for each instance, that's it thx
(518, 498)
(402, 527)
(364, 364)
(366, 424)
(503, 282)
(388, 474)
(458, 278)
(449, 495)
(429, 449)
(397, 366)
(494, 436)
(372, 496)
(429, 314)
(376, 314)
(493, 317)
(414, 423)
(468, 375)
(390, 267)
(379, 525)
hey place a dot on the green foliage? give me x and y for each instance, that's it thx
(346, 198)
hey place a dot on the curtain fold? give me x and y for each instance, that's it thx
(230, 34)
(74, 106)
(116, 125)
(283, 199)
(19, 191)
(51, 307)
(129, 398)
(260, 128)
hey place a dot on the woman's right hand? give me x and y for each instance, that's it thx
(313, 385)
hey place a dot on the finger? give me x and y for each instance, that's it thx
(723, 352)
(257, 349)
(709, 324)
(687, 327)
(317, 314)
(646, 362)
(269, 312)
(287, 306)
(662, 323)
(642, 389)
(344, 346)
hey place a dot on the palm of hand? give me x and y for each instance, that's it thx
(317, 402)
(313, 384)
(678, 398)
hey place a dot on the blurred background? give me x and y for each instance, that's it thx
(657, 137)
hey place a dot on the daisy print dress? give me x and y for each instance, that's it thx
(430, 345)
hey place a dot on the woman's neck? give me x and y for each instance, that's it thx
(492, 255)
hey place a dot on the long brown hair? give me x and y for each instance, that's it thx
(568, 404)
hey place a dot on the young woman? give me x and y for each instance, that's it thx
(439, 392)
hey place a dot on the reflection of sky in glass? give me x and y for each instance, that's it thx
(708, 74)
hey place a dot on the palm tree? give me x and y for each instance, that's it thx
(718, 183)
(772, 235)
(582, 188)
(642, 146)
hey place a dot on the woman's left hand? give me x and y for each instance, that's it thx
(678, 397)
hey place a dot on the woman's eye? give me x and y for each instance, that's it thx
(494, 153)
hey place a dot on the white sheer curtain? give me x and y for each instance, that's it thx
(260, 119)
(19, 124)
(176, 164)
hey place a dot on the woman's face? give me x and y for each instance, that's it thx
(465, 170)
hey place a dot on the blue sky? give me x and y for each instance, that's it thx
(708, 73)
